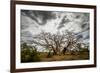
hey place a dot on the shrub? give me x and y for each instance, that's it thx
(29, 54)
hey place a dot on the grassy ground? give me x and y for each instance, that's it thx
(29, 56)
(67, 56)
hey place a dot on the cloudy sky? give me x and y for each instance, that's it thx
(33, 22)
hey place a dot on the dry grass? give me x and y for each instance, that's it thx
(45, 57)
(67, 56)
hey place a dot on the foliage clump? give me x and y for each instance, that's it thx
(29, 54)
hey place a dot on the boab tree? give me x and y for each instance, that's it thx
(52, 42)
(57, 43)
(70, 42)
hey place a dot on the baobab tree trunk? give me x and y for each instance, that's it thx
(65, 48)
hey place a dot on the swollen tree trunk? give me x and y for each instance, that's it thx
(54, 52)
(65, 48)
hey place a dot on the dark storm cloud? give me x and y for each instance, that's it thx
(77, 16)
(26, 36)
(24, 26)
(87, 37)
(84, 25)
(40, 17)
(30, 14)
(24, 22)
(60, 26)
(85, 21)
(83, 35)
(65, 20)
(79, 36)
